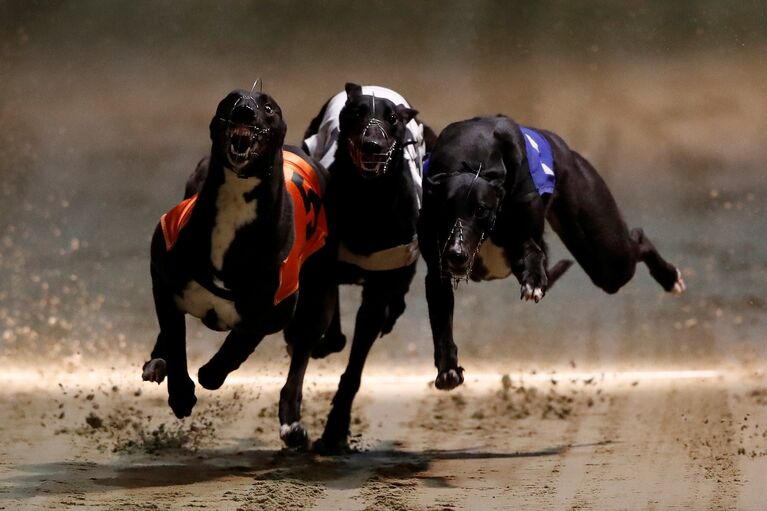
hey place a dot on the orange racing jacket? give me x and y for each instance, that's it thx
(309, 222)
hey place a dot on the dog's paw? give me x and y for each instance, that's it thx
(450, 379)
(210, 377)
(331, 447)
(295, 436)
(181, 398)
(529, 292)
(154, 370)
(679, 285)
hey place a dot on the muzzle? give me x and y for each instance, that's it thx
(454, 250)
(372, 164)
(244, 143)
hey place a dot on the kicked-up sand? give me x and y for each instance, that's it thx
(102, 439)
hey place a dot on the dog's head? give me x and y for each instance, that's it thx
(464, 203)
(373, 131)
(247, 131)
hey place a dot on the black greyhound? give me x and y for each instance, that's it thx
(231, 252)
(373, 148)
(491, 184)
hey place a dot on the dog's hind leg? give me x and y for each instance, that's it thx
(237, 347)
(665, 273)
(334, 339)
(587, 219)
(316, 309)
(292, 432)
(169, 353)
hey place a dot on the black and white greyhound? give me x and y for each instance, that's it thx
(490, 186)
(231, 252)
(373, 146)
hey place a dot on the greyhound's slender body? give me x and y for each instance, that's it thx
(483, 218)
(231, 255)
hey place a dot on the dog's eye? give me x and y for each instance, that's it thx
(268, 109)
(481, 211)
(393, 119)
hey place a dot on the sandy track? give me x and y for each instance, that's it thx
(579, 443)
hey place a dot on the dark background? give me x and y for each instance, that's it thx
(104, 108)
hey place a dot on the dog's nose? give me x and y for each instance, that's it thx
(457, 256)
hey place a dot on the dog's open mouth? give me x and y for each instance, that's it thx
(454, 271)
(372, 164)
(244, 144)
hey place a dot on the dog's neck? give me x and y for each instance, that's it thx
(248, 210)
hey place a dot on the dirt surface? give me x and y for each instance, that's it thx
(694, 440)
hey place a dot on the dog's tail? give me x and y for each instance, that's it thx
(557, 271)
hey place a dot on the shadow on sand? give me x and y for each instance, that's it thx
(182, 468)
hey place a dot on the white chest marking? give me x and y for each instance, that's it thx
(197, 301)
(233, 211)
(494, 260)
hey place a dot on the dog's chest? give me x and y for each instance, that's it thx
(233, 211)
(199, 302)
(493, 260)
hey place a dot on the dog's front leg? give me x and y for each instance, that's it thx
(439, 297)
(237, 347)
(532, 271)
(169, 354)
(368, 326)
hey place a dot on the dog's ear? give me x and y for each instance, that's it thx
(405, 114)
(496, 177)
(353, 90)
(499, 185)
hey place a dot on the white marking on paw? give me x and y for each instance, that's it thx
(493, 258)
(233, 211)
(679, 285)
(287, 429)
(448, 380)
(531, 293)
(197, 301)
